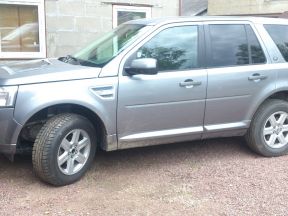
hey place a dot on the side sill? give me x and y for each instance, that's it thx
(160, 137)
(225, 133)
(226, 130)
(227, 126)
(159, 141)
(110, 144)
(162, 134)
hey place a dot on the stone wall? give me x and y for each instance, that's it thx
(71, 24)
(232, 7)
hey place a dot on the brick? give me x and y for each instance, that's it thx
(87, 24)
(66, 23)
(65, 50)
(51, 7)
(68, 38)
(60, 23)
(71, 8)
(51, 23)
(92, 10)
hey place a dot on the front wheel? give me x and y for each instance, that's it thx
(268, 133)
(64, 149)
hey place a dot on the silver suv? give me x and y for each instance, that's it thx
(147, 82)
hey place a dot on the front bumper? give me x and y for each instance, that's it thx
(9, 131)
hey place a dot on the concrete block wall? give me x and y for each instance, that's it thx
(232, 7)
(72, 24)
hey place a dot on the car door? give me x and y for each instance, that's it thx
(238, 75)
(169, 106)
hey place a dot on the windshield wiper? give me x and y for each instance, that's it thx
(76, 61)
(70, 59)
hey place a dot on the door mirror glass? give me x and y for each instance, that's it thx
(146, 66)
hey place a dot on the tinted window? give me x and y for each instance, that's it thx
(257, 54)
(174, 48)
(229, 45)
(279, 34)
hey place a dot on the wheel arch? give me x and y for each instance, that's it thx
(281, 94)
(41, 114)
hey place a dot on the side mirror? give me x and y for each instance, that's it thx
(146, 66)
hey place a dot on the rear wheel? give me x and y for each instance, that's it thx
(64, 149)
(268, 133)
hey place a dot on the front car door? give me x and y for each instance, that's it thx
(239, 74)
(169, 106)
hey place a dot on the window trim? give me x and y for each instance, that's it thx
(42, 32)
(116, 8)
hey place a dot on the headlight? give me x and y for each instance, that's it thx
(8, 96)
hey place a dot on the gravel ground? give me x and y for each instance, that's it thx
(214, 177)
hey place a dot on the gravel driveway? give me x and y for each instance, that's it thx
(214, 177)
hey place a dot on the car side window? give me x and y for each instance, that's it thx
(279, 34)
(175, 48)
(257, 54)
(229, 45)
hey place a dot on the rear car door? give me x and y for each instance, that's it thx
(238, 75)
(168, 106)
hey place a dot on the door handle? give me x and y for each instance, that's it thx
(189, 83)
(257, 77)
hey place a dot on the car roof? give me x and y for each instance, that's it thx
(167, 20)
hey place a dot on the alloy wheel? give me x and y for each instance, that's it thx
(74, 152)
(275, 130)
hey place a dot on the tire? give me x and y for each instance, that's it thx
(64, 149)
(268, 131)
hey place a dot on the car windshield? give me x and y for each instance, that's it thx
(103, 50)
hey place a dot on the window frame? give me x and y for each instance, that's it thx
(117, 8)
(245, 24)
(201, 47)
(42, 33)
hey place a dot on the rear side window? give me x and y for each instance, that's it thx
(279, 34)
(257, 54)
(229, 45)
(234, 44)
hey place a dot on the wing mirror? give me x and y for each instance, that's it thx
(146, 66)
